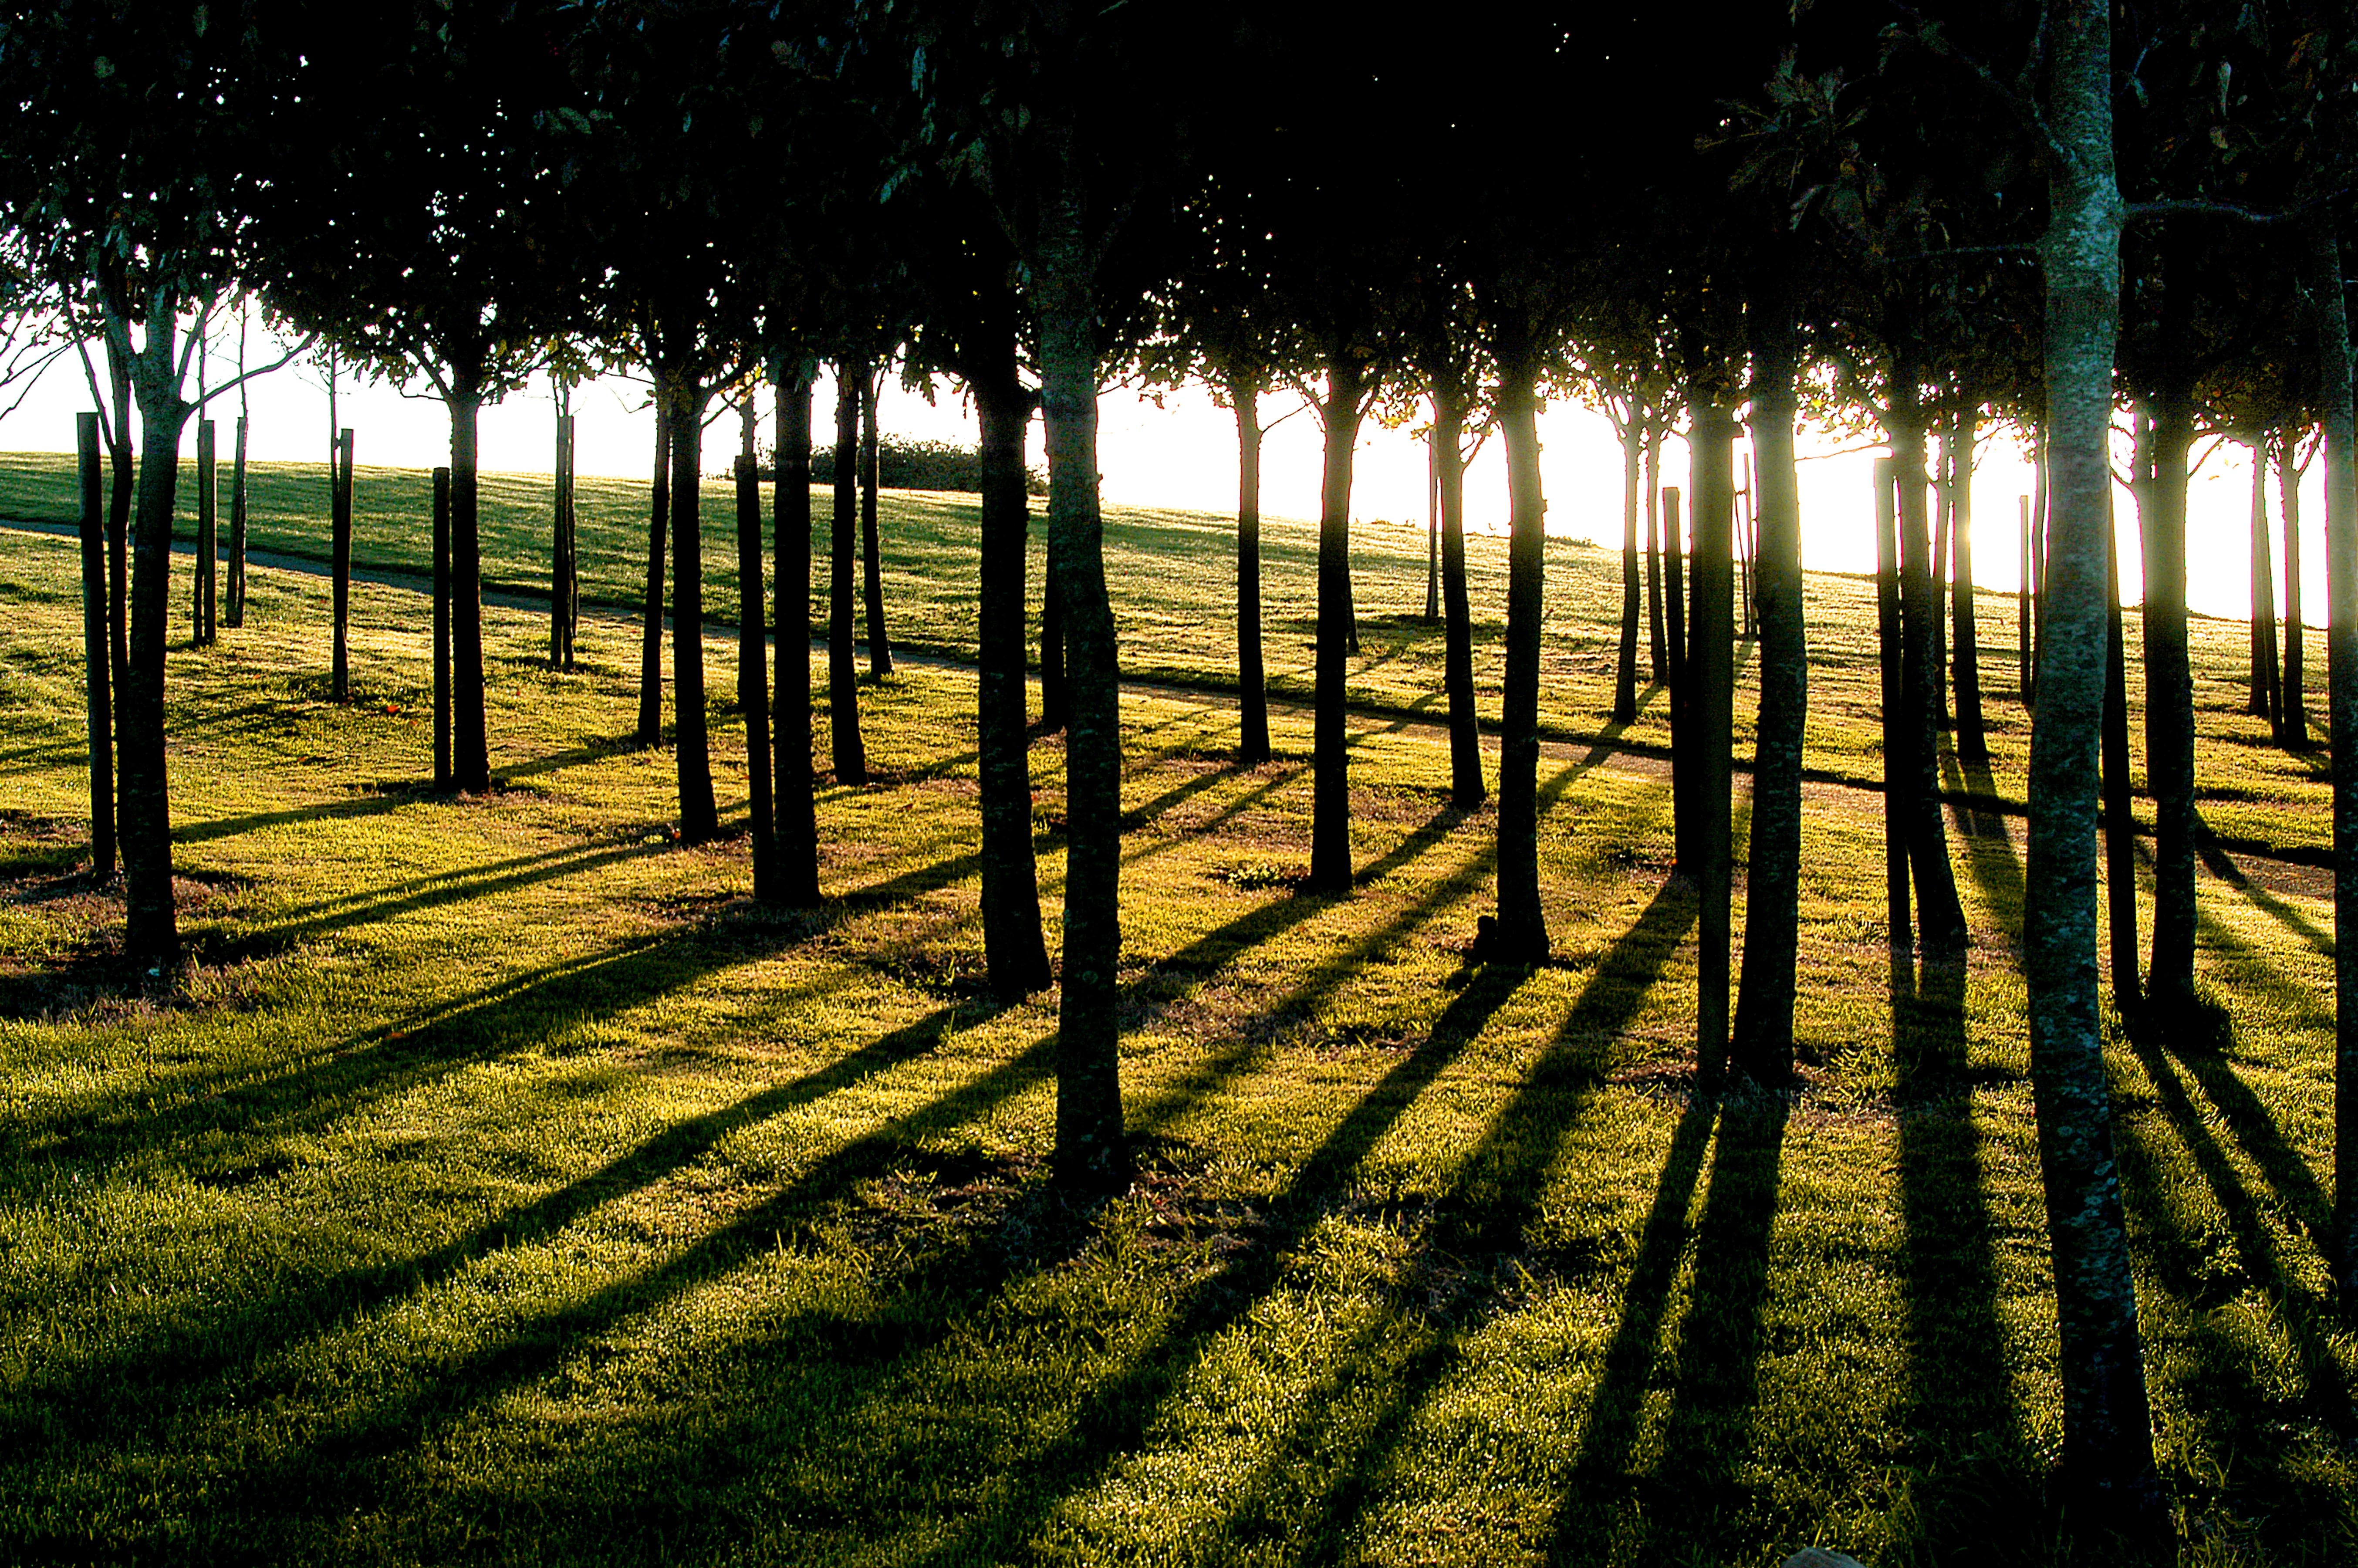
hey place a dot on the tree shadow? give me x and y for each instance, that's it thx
(2219, 864)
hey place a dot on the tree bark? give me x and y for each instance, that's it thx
(1015, 951)
(1091, 1154)
(2295, 694)
(753, 668)
(2120, 818)
(1940, 917)
(471, 756)
(97, 681)
(1466, 789)
(791, 509)
(1763, 1045)
(1943, 515)
(1685, 853)
(1972, 740)
(1522, 934)
(339, 550)
(842, 668)
(205, 582)
(1660, 665)
(1252, 687)
(2024, 677)
(1330, 818)
(1897, 779)
(1625, 674)
(444, 777)
(2107, 1445)
(1711, 673)
(2341, 706)
(871, 543)
(650, 731)
(2263, 702)
(1054, 709)
(2168, 697)
(121, 480)
(691, 748)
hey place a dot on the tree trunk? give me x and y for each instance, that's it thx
(650, 731)
(2043, 482)
(470, 755)
(339, 551)
(842, 587)
(122, 479)
(143, 821)
(1625, 674)
(1940, 918)
(1972, 742)
(1943, 515)
(1711, 710)
(1466, 787)
(2169, 699)
(872, 544)
(205, 581)
(1896, 778)
(1431, 534)
(2107, 1445)
(236, 612)
(2294, 694)
(791, 512)
(753, 666)
(1763, 1046)
(1252, 688)
(1662, 664)
(1330, 817)
(1685, 853)
(2342, 708)
(1522, 934)
(2120, 820)
(2023, 668)
(96, 678)
(1053, 708)
(2263, 702)
(561, 572)
(1015, 951)
(444, 777)
(691, 749)
(1091, 1155)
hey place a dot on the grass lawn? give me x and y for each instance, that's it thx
(496, 1183)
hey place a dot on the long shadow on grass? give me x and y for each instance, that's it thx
(2219, 864)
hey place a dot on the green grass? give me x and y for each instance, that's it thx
(1172, 574)
(496, 1183)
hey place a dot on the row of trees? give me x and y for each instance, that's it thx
(1926, 227)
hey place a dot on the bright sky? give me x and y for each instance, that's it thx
(1184, 455)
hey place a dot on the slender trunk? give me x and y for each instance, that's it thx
(560, 551)
(339, 552)
(1972, 742)
(1940, 917)
(1943, 515)
(1523, 933)
(1330, 818)
(143, 820)
(2263, 703)
(1711, 673)
(444, 777)
(691, 749)
(236, 612)
(1897, 779)
(1014, 952)
(2342, 708)
(650, 729)
(1625, 674)
(2022, 665)
(204, 583)
(753, 666)
(95, 653)
(1252, 688)
(2120, 820)
(1763, 1046)
(842, 668)
(2295, 693)
(122, 488)
(471, 756)
(2040, 506)
(2107, 1442)
(1466, 787)
(1431, 534)
(1685, 854)
(2169, 700)
(791, 511)
(1662, 664)
(1054, 709)
(1091, 1154)
(872, 544)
